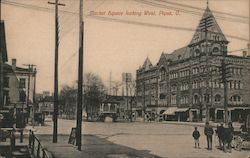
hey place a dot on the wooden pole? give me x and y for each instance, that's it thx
(80, 80)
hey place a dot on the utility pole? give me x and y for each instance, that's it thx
(30, 69)
(80, 80)
(1, 68)
(205, 24)
(55, 114)
(110, 88)
(144, 107)
(249, 31)
(224, 81)
(127, 93)
(34, 96)
(0, 10)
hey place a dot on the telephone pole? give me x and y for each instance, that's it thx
(1, 67)
(30, 69)
(80, 80)
(55, 114)
(205, 24)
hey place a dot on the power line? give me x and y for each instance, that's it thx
(116, 20)
(35, 7)
(157, 25)
(201, 9)
(188, 11)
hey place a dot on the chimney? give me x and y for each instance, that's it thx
(14, 64)
(244, 53)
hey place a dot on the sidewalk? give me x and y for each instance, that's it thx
(92, 147)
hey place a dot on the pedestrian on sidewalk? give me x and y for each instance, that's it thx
(196, 136)
(208, 131)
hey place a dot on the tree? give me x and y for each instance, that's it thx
(94, 93)
(68, 95)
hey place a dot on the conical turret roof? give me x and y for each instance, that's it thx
(213, 30)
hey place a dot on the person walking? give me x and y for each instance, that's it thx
(196, 136)
(208, 131)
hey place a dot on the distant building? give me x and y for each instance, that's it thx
(187, 83)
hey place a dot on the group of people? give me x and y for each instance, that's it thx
(225, 136)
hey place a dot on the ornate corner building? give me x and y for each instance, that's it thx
(198, 81)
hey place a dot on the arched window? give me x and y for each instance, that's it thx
(215, 49)
(217, 98)
(235, 99)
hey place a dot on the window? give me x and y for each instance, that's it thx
(163, 74)
(215, 49)
(195, 84)
(206, 98)
(196, 99)
(6, 97)
(173, 88)
(217, 98)
(173, 99)
(22, 83)
(6, 82)
(184, 100)
(162, 96)
(22, 96)
(235, 99)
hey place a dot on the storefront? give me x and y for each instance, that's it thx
(235, 114)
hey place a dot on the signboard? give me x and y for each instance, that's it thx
(72, 137)
(126, 77)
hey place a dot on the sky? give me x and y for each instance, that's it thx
(115, 42)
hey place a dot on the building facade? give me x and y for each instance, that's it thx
(18, 85)
(198, 81)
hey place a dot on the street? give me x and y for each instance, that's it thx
(144, 139)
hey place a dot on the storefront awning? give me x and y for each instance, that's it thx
(181, 110)
(170, 111)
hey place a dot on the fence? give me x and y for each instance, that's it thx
(36, 147)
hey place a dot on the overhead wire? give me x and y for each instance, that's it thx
(150, 3)
(202, 9)
(156, 25)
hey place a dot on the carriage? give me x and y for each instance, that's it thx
(241, 139)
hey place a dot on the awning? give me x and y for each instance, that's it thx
(181, 110)
(170, 111)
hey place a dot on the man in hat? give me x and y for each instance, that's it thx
(208, 131)
(220, 131)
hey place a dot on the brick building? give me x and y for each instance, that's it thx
(187, 83)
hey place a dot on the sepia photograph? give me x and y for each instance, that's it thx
(124, 78)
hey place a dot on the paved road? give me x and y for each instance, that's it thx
(148, 139)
